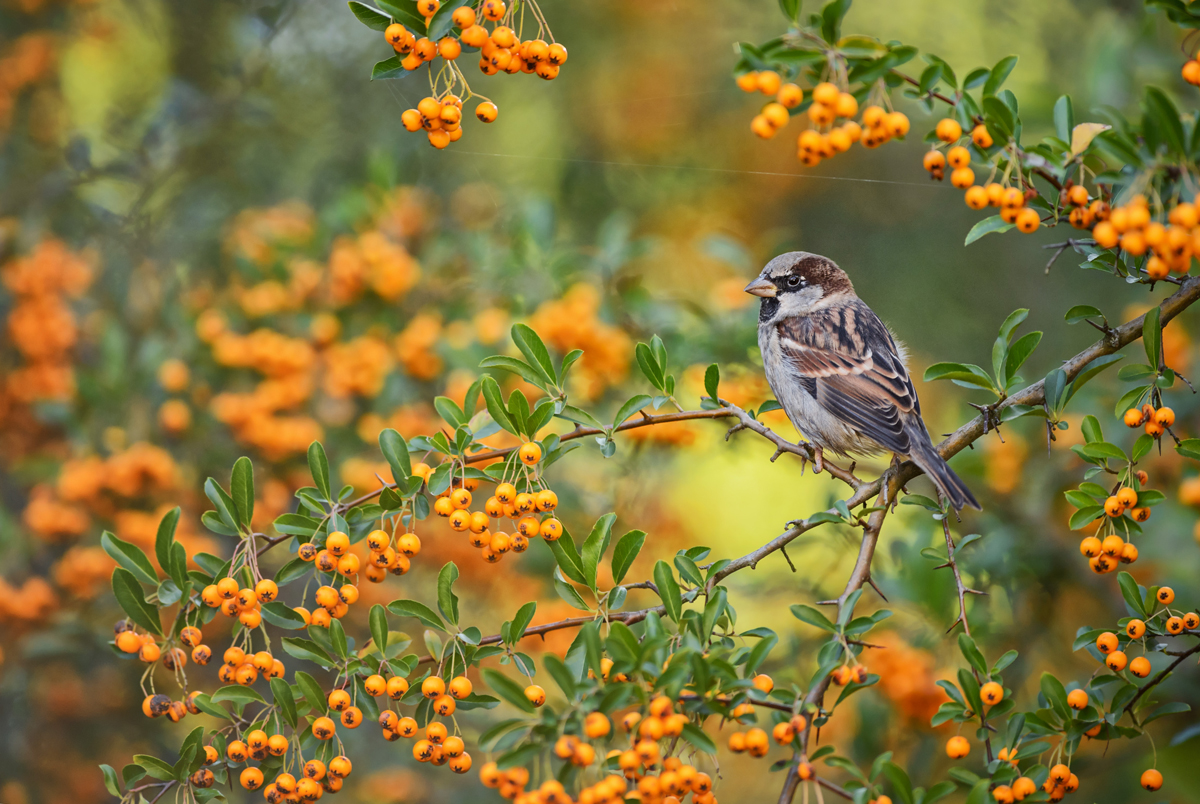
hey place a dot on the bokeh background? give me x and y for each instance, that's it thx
(217, 239)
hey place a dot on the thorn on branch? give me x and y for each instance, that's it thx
(734, 429)
(787, 558)
(871, 581)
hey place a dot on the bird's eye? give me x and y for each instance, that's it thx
(794, 281)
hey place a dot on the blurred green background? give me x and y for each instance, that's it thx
(188, 154)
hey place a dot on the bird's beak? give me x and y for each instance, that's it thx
(762, 287)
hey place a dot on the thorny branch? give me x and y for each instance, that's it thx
(1032, 395)
(1158, 679)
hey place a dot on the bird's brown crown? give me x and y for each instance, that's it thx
(813, 270)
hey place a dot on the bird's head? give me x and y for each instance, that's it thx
(797, 283)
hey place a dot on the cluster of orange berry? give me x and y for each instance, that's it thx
(316, 778)
(240, 667)
(1060, 782)
(1131, 227)
(158, 705)
(245, 604)
(438, 746)
(500, 50)
(441, 118)
(656, 779)
(521, 507)
(1010, 200)
(829, 104)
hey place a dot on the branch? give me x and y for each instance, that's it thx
(1158, 679)
(860, 575)
(951, 102)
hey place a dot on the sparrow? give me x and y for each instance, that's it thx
(838, 372)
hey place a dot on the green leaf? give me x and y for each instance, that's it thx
(811, 616)
(223, 504)
(312, 692)
(237, 694)
(1172, 708)
(307, 650)
(337, 638)
(1082, 312)
(493, 398)
(1131, 593)
(1163, 111)
(395, 451)
(628, 547)
(712, 379)
(970, 652)
(130, 557)
(668, 590)
(650, 367)
(999, 73)
(110, 781)
(579, 416)
(375, 20)
(282, 615)
(241, 486)
(447, 600)
(165, 538)
(966, 373)
(507, 689)
(594, 547)
(1019, 352)
(318, 465)
(1189, 448)
(1095, 367)
(696, 736)
(568, 558)
(1130, 399)
(379, 632)
(1064, 119)
(1085, 515)
(535, 352)
(561, 674)
(1104, 450)
(291, 571)
(155, 767)
(413, 608)
(1056, 694)
(631, 407)
(129, 594)
(567, 592)
(284, 701)
(521, 621)
(900, 781)
(988, 225)
(515, 366)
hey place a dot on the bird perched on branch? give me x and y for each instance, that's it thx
(837, 371)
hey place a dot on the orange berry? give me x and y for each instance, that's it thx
(1077, 699)
(981, 136)
(1152, 779)
(957, 747)
(958, 157)
(948, 130)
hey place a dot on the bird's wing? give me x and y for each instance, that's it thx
(847, 353)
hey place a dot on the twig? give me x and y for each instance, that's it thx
(1158, 679)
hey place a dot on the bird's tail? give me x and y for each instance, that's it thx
(951, 485)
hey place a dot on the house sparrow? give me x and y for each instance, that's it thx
(837, 371)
